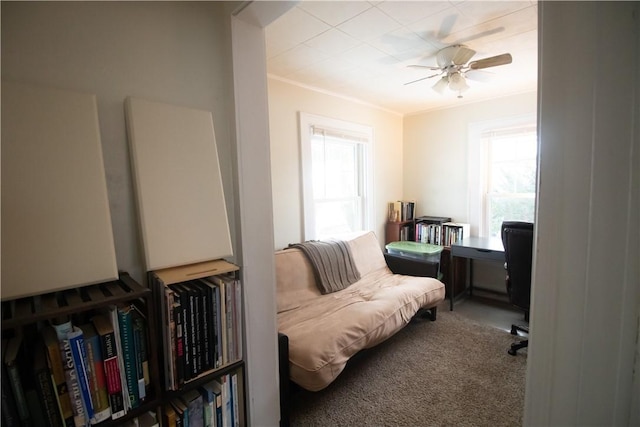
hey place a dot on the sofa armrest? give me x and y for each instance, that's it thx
(411, 267)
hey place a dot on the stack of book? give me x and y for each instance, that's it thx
(214, 404)
(202, 326)
(76, 374)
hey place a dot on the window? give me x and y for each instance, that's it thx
(336, 168)
(503, 164)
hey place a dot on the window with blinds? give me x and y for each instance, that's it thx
(336, 169)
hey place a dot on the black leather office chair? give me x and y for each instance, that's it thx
(517, 238)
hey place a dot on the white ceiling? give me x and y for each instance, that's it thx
(361, 49)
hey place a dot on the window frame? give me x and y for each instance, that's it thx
(307, 123)
(478, 164)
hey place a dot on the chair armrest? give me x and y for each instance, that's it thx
(411, 267)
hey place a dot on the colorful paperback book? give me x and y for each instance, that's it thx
(80, 418)
(109, 349)
(56, 367)
(97, 381)
(79, 354)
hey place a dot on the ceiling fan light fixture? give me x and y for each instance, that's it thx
(458, 83)
(441, 85)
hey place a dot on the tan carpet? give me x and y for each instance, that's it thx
(451, 372)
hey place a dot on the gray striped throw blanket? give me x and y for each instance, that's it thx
(332, 263)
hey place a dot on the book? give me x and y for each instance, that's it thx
(234, 398)
(11, 359)
(9, 411)
(140, 346)
(226, 400)
(168, 415)
(115, 322)
(193, 399)
(57, 371)
(208, 405)
(214, 387)
(169, 341)
(210, 291)
(182, 412)
(96, 375)
(221, 317)
(206, 299)
(196, 328)
(185, 317)
(71, 376)
(125, 325)
(45, 386)
(79, 354)
(179, 343)
(105, 331)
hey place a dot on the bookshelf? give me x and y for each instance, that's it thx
(437, 231)
(28, 317)
(222, 344)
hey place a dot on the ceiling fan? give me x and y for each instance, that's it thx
(453, 67)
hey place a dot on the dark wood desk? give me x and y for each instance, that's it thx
(484, 248)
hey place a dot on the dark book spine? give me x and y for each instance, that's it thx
(186, 326)
(47, 397)
(9, 409)
(205, 292)
(180, 369)
(196, 361)
(140, 341)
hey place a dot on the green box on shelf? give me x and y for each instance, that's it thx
(421, 251)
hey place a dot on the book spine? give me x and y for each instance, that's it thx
(196, 362)
(140, 345)
(206, 322)
(128, 354)
(56, 367)
(169, 342)
(78, 352)
(179, 343)
(47, 397)
(18, 392)
(229, 296)
(9, 410)
(112, 373)
(97, 382)
(75, 395)
(234, 398)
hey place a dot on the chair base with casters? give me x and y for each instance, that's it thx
(520, 344)
(517, 238)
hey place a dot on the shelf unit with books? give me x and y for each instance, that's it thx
(58, 339)
(203, 367)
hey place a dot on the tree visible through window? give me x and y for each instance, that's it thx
(335, 162)
(510, 176)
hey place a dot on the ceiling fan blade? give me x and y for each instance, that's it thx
(428, 67)
(492, 61)
(454, 55)
(423, 78)
(479, 75)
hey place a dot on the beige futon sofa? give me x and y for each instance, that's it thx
(324, 331)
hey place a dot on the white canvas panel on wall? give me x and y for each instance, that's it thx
(183, 217)
(56, 224)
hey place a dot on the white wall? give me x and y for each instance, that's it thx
(585, 310)
(436, 158)
(171, 52)
(436, 165)
(285, 101)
